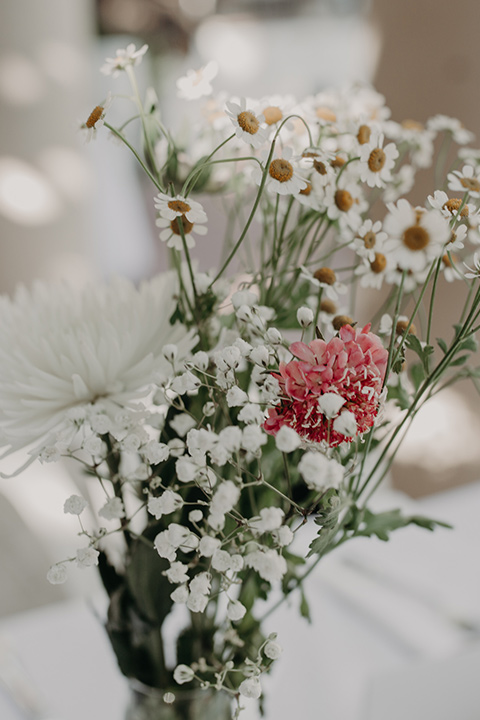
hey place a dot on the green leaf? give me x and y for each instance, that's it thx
(470, 343)
(304, 607)
(146, 582)
(459, 360)
(417, 373)
(398, 393)
(442, 344)
(382, 524)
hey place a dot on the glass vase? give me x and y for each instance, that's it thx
(147, 703)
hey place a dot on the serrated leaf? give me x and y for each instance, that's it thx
(382, 524)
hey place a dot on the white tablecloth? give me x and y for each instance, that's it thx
(388, 638)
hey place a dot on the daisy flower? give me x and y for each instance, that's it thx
(319, 161)
(369, 239)
(324, 279)
(281, 177)
(466, 180)
(443, 123)
(420, 235)
(173, 207)
(376, 162)
(61, 348)
(124, 58)
(449, 262)
(171, 232)
(196, 83)
(246, 123)
(474, 272)
(449, 206)
(373, 272)
(96, 119)
(345, 204)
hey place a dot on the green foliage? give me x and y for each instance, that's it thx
(366, 523)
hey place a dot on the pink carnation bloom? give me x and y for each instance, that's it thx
(351, 364)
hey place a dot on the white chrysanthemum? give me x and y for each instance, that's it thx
(60, 348)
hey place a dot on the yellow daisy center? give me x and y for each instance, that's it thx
(179, 206)
(324, 113)
(281, 170)
(320, 167)
(325, 275)
(470, 184)
(328, 306)
(369, 239)
(412, 125)
(453, 206)
(272, 114)
(416, 238)
(307, 190)
(343, 200)
(338, 162)
(94, 116)
(379, 264)
(186, 225)
(248, 122)
(363, 135)
(340, 320)
(402, 325)
(377, 159)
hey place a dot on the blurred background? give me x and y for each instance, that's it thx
(81, 211)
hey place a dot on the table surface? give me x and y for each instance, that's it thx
(388, 637)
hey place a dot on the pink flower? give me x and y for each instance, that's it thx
(351, 365)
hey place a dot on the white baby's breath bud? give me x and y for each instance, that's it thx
(228, 358)
(57, 574)
(182, 423)
(167, 503)
(253, 437)
(287, 440)
(305, 316)
(197, 602)
(230, 438)
(186, 470)
(237, 562)
(170, 352)
(113, 509)
(74, 505)
(244, 314)
(201, 583)
(345, 424)
(185, 383)
(221, 561)
(273, 650)
(208, 545)
(94, 445)
(176, 447)
(271, 518)
(208, 409)
(283, 536)
(177, 573)
(330, 404)
(183, 674)
(195, 516)
(236, 397)
(180, 594)
(319, 471)
(168, 698)
(202, 283)
(155, 452)
(87, 557)
(250, 688)
(251, 415)
(235, 610)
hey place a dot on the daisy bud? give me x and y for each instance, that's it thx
(304, 316)
(170, 352)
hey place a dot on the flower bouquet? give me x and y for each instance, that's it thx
(221, 413)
